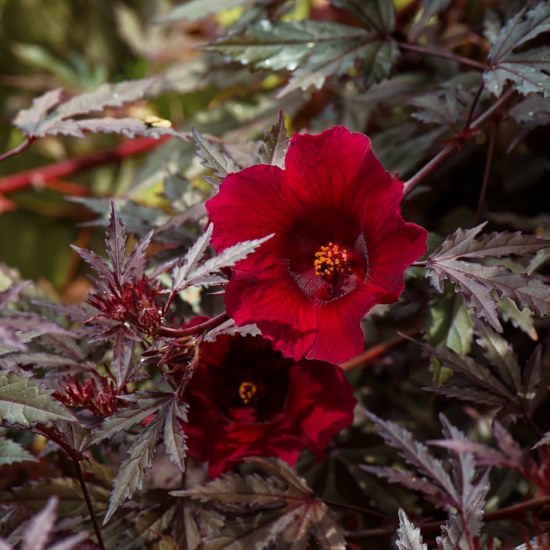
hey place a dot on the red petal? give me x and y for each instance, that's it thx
(321, 400)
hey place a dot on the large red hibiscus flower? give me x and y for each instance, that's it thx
(340, 244)
(246, 399)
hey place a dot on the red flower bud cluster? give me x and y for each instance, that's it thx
(135, 302)
(97, 395)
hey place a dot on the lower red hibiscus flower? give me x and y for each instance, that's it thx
(340, 244)
(246, 399)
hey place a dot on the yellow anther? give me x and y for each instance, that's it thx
(247, 392)
(330, 260)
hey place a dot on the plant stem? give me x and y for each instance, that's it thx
(473, 106)
(16, 150)
(443, 55)
(354, 508)
(197, 329)
(70, 166)
(487, 172)
(376, 351)
(505, 513)
(88, 500)
(424, 172)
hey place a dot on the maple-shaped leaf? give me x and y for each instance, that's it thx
(473, 484)
(24, 402)
(190, 272)
(165, 411)
(432, 478)
(314, 50)
(11, 452)
(529, 68)
(508, 454)
(214, 157)
(377, 15)
(502, 384)
(120, 268)
(408, 535)
(278, 509)
(460, 259)
(275, 144)
(464, 489)
(50, 116)
(448, 108)
(17, 328)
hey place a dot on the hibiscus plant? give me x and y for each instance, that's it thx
(319, 318)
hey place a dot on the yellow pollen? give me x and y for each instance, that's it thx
(330, 260)
(247, 392)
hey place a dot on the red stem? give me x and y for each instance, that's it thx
(192, 331)
(70, 166)
(424, 172)
(16, 150)
(444, 55)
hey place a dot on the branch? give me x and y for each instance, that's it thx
(487, 172)
(67, 167)
(424, 172)
(192, 331)
(376, 351)
(15, 151)
(505, 513)
(443, 55)
(89, 504)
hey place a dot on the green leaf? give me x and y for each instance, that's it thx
(522, 319)
(529, 70)
(450, 324)
(317, 49)
(11, 452)
(194, 10)
(378, 15)
(25, 403)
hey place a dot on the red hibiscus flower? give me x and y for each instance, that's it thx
(340, 245)
(246, 399)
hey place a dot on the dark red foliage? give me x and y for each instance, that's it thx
(97, 395)
(134, 302)
(246, 399)
(340, 246)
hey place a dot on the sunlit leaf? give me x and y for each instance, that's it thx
(24, 402)
(11, 452)
(408, 535)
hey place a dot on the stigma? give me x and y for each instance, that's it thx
(330, 260)
(248, 391)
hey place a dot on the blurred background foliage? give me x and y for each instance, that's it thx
(79, 44)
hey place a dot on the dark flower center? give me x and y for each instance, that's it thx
(330, 260)
(248, 392)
